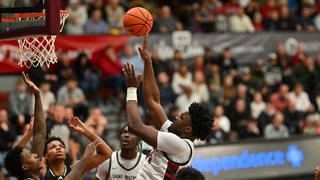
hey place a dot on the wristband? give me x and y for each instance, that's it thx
(132, 94)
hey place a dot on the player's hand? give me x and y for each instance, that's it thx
(90, 149)
(131, 79)
(143, 50)
(77, 125)
(34, 89)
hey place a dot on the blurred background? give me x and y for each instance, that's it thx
(255, 63)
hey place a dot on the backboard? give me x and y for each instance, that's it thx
(15, 22)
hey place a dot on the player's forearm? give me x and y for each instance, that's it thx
(103, 148)
(78, 171)
(39, 127)
(150, 87)
(22, 142)
(134, 120)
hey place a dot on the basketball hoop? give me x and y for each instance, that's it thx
(37, 50)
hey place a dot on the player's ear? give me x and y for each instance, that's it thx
(25, 167)
(188, 130)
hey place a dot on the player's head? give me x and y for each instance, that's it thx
(194, 124)
(189, 174)
(127, 139)
(20, 162)
(54, 150)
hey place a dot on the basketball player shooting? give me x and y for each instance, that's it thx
(172, 141)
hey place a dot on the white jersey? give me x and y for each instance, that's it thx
(117, 168)
(171, 154)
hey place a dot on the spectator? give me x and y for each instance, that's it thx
(95, 24)
(276, 129)
(228, 90)
(175, 63)
(77, 18)
(7, 134)
(280, 99)
(283, 58)
(114, 13)
(167, 23)
(204, 18)
(181, 78)
(198, 64)
(299, 56)
(293, 118)
(158, 64)
(241, 22)
(200, 87)
(301, 99)
(97, 5)
(57, 126)
(215, 86)
(20, 106)
(222, 120)
(273, 74)
(305, 21)
(129, 56)
(217, 135)
(64, 68)
(48, 98)
(109, 64)
(184, 100)
(97, 122)
(223, 21)
(308, 76)
(272, 23)
(239, 116)
(266, 116)
(257, 106)
(317, 19)
(286, 22)
(253, 9)
(266, 9)
(71, 95)
(257, 22)
(167, 94)
(251, 130)
(227, 63)
(87, 75)
(257, 74)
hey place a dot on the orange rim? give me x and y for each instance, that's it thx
(30, 15)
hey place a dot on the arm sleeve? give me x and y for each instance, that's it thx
(171, 144)
(102, 170)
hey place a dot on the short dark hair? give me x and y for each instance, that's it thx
(201, 120)
(188, 173)
(13, 162)
(49, 140)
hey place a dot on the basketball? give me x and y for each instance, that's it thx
(137, 21)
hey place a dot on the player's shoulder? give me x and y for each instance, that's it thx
(166, 125)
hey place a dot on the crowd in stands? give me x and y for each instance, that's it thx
(240, 16)
(276, 98)
(100, 17)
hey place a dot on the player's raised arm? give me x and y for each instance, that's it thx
(103, 150)
(151, 91)
(136, 126)
(79, 169)
(39, 125)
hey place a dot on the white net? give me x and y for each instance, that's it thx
(39, 50)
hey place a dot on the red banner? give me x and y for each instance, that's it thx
(9, 50)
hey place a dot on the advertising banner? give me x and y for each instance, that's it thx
(259, 159)
(9, 50)
(246, 48)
